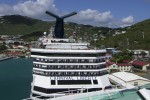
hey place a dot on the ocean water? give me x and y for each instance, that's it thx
(15, 79)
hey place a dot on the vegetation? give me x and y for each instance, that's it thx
(32, 36)
(2, 48)
(122, 56)
(136, 36)
(20, 25)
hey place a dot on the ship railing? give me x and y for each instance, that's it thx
(57, 94)
(69, 92)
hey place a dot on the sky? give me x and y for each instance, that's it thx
(109, 13)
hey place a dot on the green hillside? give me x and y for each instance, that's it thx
(136, 37)
(33, 28)
(16, 24)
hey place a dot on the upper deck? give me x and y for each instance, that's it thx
(53, 43)
(45, 44)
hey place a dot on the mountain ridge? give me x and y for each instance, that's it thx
(132, 37)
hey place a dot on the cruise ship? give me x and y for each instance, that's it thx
(61, 64)
(64, 68)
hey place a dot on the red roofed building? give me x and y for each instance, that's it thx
(140, 65)
(122, 67)
(14, 54)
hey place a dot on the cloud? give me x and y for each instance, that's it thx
(95, 15)
(90, 16)
(32, 8)
(5, 9)
(128, 20)
(37, 8)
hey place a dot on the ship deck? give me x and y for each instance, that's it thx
(130, 94)
(115, 94)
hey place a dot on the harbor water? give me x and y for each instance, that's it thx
(15, 79)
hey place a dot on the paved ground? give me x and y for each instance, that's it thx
(147, 75)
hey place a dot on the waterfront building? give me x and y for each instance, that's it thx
(141, 55)
(141, 65)
(128, 79)
(14, 54)
(121, 67)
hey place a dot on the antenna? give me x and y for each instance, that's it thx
(59, 26)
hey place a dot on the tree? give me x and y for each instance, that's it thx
(2, 48)
(143, 54)
(121, 56)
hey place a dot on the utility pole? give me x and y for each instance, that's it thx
(143, 34)
(127, 42)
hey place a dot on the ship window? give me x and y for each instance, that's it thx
(71, 66)
(95, 82)
(82, 60)
(135, 83)
(59, 73)
(52, 82)
(73, 82)
(44, 66)
(44, 90)
(70, 55)
(84, 66)
(59, 66)
(91, 60)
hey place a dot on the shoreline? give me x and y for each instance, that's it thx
(5, 58)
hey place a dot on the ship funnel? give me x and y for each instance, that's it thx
(59, 26)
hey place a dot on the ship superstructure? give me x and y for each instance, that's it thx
(61, 64)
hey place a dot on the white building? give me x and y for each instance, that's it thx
(128, 79)
(122, 67)
(137, 54)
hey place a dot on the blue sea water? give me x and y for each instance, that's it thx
(15, 79)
